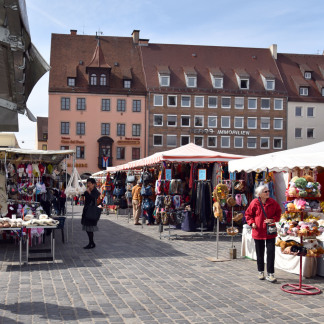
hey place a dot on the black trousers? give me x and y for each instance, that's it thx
(259, 248)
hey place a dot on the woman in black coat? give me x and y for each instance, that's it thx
(90, 197)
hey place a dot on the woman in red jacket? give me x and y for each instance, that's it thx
(256, 218)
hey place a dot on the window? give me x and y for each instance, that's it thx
(71, 82)
(127, 84)
(105, 104)
(251, 123)
(120, 153)
(264, 142)
(310, 112)
(136, 130)
(137, 106)
(298, 133)
(238, 122)
(158, 120)
(225, 122)
(80, 128)
(171, 140)
(172, 101)
(164, 80)
(93, 79)
(45, 136)
(80, 152)
(199, 140)
(218, 83)
(64, 147)
(239, 103)
(105, 128)
(65, 128)
(251, 142)
(172, 120)
(136, 153)
(277, 143)
(212, 102)
(265, 103)
(226, 102)
(184, 139)
(278, 104)
(244, 83)
(225, 142)
(103, 80)
(191, 81)
(199, 101)
(270, 84)
(238, 142)
(120, 129)
(158, 100)
(303, 91)
(199, 121)
(65, 103)
(298, 111)
(212, 141)
(252, 103)
(308, 75)
(310, 132)
(277, 123)
(81, 104)
(121, 105)
(185, 101)
(212, 121)
(265, 123)
(185, 121)
(322, 92)
(157, 140)
(44, 147)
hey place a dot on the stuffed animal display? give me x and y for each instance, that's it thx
(303, 187)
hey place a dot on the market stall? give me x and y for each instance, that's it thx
(30, 186)
(302, 221)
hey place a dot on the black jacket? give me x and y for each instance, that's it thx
(88, 199)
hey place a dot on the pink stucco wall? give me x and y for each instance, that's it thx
(93, 116)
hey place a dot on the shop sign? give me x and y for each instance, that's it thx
(79, 165)
(128, 142)
(220, 131)
(69, 141)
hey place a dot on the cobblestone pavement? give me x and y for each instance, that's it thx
(133, 276)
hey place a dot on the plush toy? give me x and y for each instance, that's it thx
(301, 183)
(300, 204)
(308, 178)
(291, 207)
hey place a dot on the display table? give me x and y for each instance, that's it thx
(286, 262)
(18, 232)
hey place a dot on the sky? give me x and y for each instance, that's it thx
(295, 26)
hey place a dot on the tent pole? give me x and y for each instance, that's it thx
(73, 167)
(66, 204)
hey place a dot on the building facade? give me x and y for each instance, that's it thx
(97, 100)
(42, 133)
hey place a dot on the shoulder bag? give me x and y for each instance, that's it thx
(271, 227)
(93, 213)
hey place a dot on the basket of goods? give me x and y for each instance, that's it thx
(232, 231)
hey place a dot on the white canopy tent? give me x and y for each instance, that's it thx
(311, 156)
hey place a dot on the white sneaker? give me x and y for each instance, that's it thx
(270, 277)
(261, 275)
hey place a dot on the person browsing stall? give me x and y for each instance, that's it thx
(91, 196)
(136, 202)
(261, 212)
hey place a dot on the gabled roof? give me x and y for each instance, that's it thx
(98, 59)
(290, 68)
(204, 60)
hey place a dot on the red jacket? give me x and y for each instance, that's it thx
(254, 214)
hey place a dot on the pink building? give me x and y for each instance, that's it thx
(97, 100)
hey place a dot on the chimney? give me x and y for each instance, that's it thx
(73, 31)
(143, 42)
(135, 35)
(273, 50)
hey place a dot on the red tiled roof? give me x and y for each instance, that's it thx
(289, 67)
(203, 59)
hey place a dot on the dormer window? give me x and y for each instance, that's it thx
(71, 82)
(217, 83)
(303, 91)
(164, 80)
(243, 79)
(308, 75)
(190, 77)
(93, 79)
(216, 76)
(270, 84)
(268, 80)
(127, 84)
(103, 80)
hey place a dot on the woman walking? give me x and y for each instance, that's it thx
(91, 196)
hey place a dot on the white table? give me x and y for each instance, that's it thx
(286, 262)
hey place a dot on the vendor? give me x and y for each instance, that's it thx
(263, 210)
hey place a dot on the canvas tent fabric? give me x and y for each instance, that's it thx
(186, 153)
(311, 156)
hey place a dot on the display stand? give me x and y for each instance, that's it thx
(300, 289)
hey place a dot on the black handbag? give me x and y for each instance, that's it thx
(93, 213)
(271, 227)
